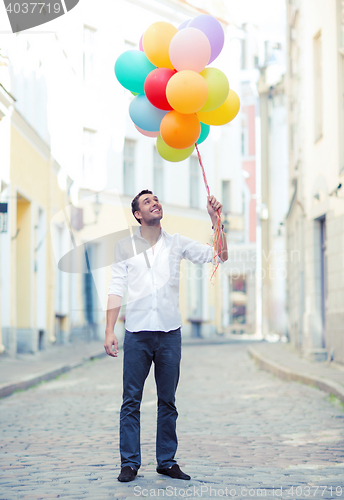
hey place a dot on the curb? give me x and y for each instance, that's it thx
(217, 341)
(286, 374)
(8, 389)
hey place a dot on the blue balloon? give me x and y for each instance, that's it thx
(205, 129)
(132, 68)
(145, 115)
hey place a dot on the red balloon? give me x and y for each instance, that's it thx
(155, 87)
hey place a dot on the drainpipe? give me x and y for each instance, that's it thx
(259, 263)
(2, 347)
(302, 294)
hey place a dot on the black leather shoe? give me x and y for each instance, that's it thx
(174, 472)
(127, 474)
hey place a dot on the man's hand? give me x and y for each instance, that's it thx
(110, 340)
(213, 206)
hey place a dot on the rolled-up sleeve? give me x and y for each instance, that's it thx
(119, 273)
(196, 252)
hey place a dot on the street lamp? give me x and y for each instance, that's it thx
(96, 208)
(225, 224)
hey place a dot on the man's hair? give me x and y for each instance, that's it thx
(135, 202)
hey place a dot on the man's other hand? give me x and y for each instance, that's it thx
(111, 340)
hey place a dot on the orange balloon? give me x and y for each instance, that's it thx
(180, 131)
(224, 113)
(187, 91)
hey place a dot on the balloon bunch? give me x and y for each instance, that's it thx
(176, 97)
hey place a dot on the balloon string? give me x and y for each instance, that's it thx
(217, 234)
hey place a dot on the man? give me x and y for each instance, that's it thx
(153, 324)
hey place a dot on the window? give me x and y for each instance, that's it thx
(244, 134)
(244, 142)
(243, 54)
(292, 136)
(238, 300)
(194, 180)
(129, 167)
(226, 196)
(158, 174)
(318, 93)
(90, 291)
(266, 50)
(88, 165)
(340, 17)
(341, 114)
(195, 297)
(89, 53)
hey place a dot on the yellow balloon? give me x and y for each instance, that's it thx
(224, 114)
(218, 88)
(156, 43)
(187, 91)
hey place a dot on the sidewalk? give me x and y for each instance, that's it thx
(285, 362)
(25, 370)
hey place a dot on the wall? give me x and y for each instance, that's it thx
(315, 170)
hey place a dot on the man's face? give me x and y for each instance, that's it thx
(150, 210)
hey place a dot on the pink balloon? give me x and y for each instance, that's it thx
(146, 133)
(190, 49)
(140, 43)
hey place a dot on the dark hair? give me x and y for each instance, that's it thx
(135, 202)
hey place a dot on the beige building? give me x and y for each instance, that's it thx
(30, 314)
(315, 219)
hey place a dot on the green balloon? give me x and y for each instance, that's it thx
(132, 68)
(205, 129)
(171, 154)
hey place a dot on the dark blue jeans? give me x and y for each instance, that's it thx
(140, 349)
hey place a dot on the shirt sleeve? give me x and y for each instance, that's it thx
(119, 273)
(196, 252)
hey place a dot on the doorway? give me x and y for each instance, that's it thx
(323, 274)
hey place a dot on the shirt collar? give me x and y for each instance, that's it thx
(137, 233)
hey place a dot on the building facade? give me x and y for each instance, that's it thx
(315, 219)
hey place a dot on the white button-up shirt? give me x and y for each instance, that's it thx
(152, 278)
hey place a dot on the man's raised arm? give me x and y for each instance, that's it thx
(213, 206)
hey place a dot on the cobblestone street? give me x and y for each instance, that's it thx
(242, 432)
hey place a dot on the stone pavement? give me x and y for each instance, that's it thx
(243, 433)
